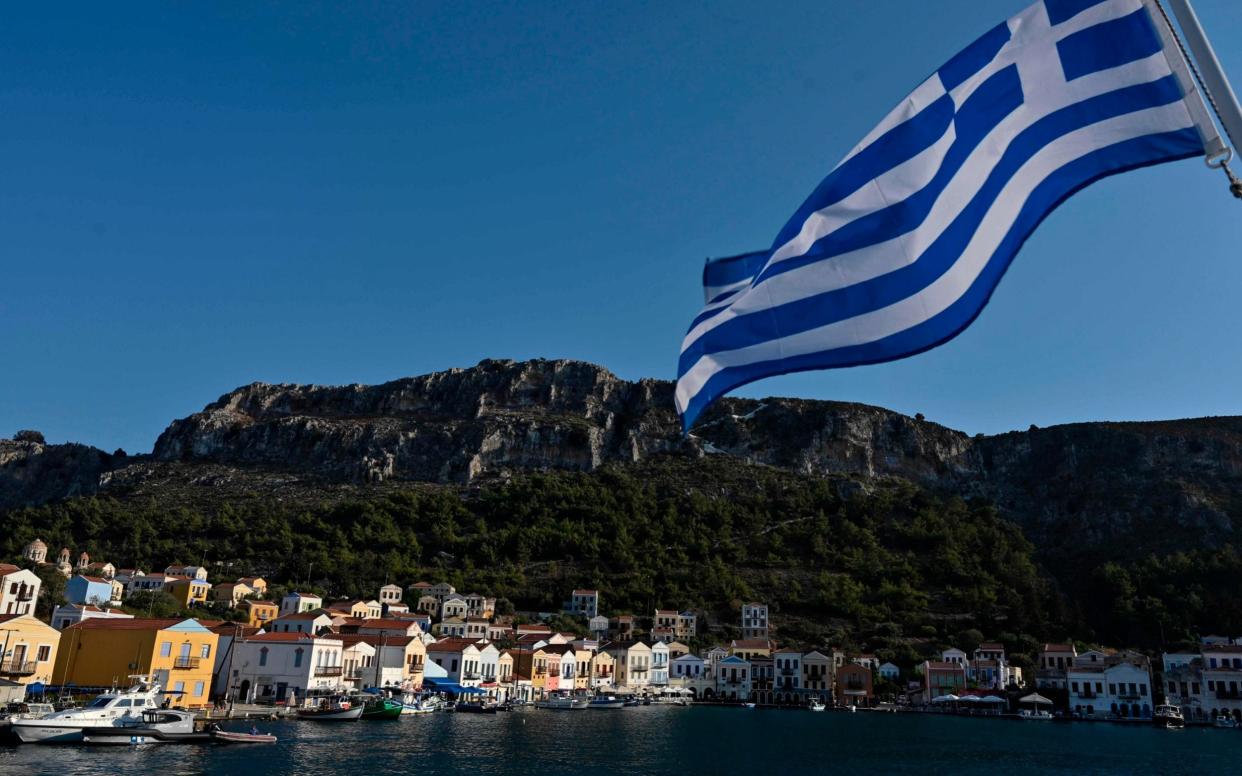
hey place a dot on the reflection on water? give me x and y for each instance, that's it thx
(655, 740)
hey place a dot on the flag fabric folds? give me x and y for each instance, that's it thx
(901, 246)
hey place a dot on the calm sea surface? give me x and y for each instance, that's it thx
(654, 740)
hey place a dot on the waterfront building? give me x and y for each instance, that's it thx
(788, 670)
(868, 661)
(1054, 661)
(687, 668)
(358, 664)
(732, 680)
(583, 603)
(890, 672)
(633, 663)
(67, 614)
(259, 613)
(1222, 676)
(751, 648)
(584, 654)
(296, 603)
(853, 685)
(460, 659)
(941, 677)
(228, 635)
(1110, 686)
(314, 622)
(231, 593)
(395, 660)
(659, 663)
(19, 589)
(1185, 688)
(102, 652)
(817, 673)
(189, 591)
(27, 649)
(283, 667)
(603, 670)
(755, 624)
(762, 680)
(96, 591)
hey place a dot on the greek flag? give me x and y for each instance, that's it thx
(900, 247)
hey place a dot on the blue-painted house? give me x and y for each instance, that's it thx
(88, 590)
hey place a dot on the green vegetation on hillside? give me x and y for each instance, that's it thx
(891, 567)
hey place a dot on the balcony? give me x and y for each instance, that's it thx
(638, 669)
(17, 667)
(26, 595)
(471, 676)
(1087, 695)
(1228, 695)
(185, 663)
(328, 671)
(789, 672)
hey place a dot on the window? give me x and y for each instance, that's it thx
(1143, 689)
(1112, 689)
(179, 687)
(263, 656)
(1074, 686)
(1172, 686)
(166, 649)
(198, 689)
(205, 652)
(45, 652)
(1194, 688)
(297, 657)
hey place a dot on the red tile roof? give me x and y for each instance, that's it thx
(7, 568)
(136, 623)
(281, 637)
(374, 639)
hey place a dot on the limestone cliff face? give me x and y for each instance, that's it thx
(1132, 485)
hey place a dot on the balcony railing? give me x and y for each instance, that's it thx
(328, 671)
(470, 675)
(639, 669)
(26, 595)
(17, 667)
(186, 663)
(1087, 694)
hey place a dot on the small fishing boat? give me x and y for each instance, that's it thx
(474, 707)
(630, 702)
(424, 705)
(330, 709)
(562, 702)
(1169, 717)
(817, 706)
(230, 737)
(381, 708)
(1225, 723)
(155, 726)
(606, 702)
(748, 705)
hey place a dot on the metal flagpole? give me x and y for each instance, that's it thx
(1216, 87)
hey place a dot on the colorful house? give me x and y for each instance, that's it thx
(88, 590)
(27, 649)
(260, 612)
(179, 654)
(189, 591)
(19, 589)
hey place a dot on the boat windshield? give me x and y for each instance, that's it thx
(100, 702)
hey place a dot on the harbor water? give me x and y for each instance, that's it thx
(666, 740)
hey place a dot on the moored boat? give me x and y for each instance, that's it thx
(1169, 717)
(606, 702)
(155, 726)
(1225, 723)
(816, 706)
(562, 702)
(110, 709)
(381, 708)
(330, 709)
(471, 707)
(230, 737)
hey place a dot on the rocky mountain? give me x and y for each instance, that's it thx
(1084, 488)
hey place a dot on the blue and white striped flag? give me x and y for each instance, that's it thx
(900, 247)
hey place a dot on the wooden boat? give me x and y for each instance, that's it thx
(330, 710)
(230, 737)
(381, 708)
(606, 702)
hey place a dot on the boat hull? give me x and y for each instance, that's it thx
(332, 715)
(228, 737)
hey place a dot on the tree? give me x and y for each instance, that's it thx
(30, 435)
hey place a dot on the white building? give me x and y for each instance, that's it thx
(454, 606)
(890, 672)
(687, 668)
(659, 663)
(712, 659)
(19, 589)
(1222, 675)
(295, 603)
(68, 614)
(955, 656)
(312, 622)
(755, 623)
(598, 625)
(390, 594)
(1117, 687)
(1184, 686)
(283, 666)
(787, 664)
(193, 572)
(733, 679)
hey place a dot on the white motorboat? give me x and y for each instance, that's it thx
(110, 709)
(424, 705)
(1169, 717)
(606, 702)
(817, 706)
(1035, 714)
(155, 726)
(1225, 723)
(562, 702)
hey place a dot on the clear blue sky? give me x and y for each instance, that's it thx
(197, 196)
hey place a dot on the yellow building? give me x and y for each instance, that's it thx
(179, 654)
(260, 612)
(189, 591)
(603, 669)
(582, 672)
(27, 649)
